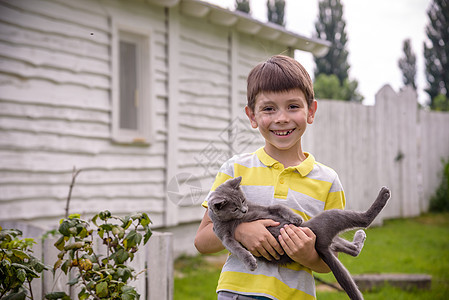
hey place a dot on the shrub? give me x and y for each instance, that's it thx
(440, 201)
(101, 277)
(18, 267)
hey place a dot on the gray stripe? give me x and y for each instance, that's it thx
(304, 203)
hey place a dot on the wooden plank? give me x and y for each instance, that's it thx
(41, 161)
(33, 112)
(160, 266)
(50, 59)
(58, 76)
(51, 26)
(49, 93)
(62, 12)
(173, 57)
(16, 35)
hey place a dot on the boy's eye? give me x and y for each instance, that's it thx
(294, 106)
(268, 108)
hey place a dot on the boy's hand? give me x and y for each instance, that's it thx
(299, 244)
(258, 240)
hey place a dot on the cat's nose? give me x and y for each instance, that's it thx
(244, 210)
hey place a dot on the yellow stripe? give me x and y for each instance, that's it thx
(314, 188)
(260, 284)
(219, 179)
(303, 215)
(255, 175)
(335, 200)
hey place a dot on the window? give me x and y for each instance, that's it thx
(132, 112)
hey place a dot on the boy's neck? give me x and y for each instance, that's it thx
(289, 158)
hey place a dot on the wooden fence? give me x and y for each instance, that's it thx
(155, 260)
(391, 144)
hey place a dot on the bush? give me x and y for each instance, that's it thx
(18, 267)
(101, 277)
(440, 201)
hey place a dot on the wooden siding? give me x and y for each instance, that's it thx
(55, 112)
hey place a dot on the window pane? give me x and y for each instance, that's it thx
(128, 86)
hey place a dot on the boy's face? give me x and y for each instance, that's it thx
(282, 119)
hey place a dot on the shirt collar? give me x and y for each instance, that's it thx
(303, 168)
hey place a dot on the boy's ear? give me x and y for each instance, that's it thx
(251, 116)
(312, 110)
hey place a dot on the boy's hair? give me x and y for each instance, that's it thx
(278, 74)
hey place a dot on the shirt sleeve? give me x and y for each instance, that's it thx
(336, 196)
(226, 172)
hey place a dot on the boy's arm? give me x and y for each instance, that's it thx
(205, 240)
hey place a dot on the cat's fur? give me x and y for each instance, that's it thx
(228, 208)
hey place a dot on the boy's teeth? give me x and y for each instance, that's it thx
(283, 132)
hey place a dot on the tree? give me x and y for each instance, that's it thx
(329, 87)
(407, 64)
(436, 53)
(275, 11)
(243, 6)
(331, 26)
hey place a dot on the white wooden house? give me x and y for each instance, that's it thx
(145, 97)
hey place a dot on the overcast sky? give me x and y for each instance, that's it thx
(376, 31)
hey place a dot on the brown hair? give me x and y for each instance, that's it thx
(278, 74)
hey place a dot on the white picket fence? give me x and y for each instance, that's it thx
(155, 260)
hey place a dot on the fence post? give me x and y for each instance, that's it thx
(160, 266)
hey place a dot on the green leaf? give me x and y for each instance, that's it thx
(132, 239)
(64, 228)
(73, 281)
(21, 275)
(145, 221)
(102, 289)
(127, 222)
(57, 295)
(21, 295)
(82, 295)
(20, 254)
(65, 266)
(121, 256)
(59, 244)
(147, 235)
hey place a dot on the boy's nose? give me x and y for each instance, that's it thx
(282, 117)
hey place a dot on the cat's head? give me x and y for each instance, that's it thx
(228, 202)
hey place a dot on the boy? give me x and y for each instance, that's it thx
(280, 104)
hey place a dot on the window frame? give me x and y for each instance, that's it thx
(142, 37)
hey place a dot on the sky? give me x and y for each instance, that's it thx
(376, 31)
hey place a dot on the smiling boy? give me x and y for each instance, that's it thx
(280, 105)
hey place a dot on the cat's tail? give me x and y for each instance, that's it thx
(342, 275)
(377, 206)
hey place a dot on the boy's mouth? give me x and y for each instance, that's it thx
(282, 132)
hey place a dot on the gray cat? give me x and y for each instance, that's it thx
(228, 208)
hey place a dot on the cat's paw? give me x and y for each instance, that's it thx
(295, 220)
(251, 263)
(385, 194)
(359, 236)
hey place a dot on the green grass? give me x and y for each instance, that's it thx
(416, 245)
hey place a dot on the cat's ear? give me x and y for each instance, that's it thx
(219, 204)
(235, 183)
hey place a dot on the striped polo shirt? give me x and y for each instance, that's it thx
(307, 189)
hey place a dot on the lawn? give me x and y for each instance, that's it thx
(415, 245)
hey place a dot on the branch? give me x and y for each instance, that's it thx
(74, 174)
